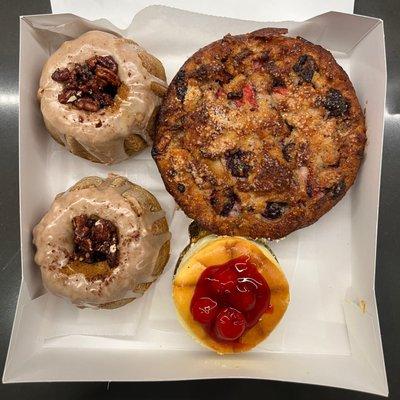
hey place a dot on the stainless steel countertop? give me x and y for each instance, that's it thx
(387, 270)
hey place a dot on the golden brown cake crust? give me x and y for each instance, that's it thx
(259, 134)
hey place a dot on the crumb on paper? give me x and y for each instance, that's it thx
(363, 306)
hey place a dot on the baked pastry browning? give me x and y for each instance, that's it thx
(259, 134)
(99, 96)
(102, 243)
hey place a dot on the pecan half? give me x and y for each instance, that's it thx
(87, 104)
(109, 76)
(61, 75)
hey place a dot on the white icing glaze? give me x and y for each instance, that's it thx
(106, 143)
(138, 246)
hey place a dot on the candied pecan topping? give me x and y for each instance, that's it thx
(106, 62)
(89, 86)
(95, 239)
(61, 75)
(87, 104)
(108, 76)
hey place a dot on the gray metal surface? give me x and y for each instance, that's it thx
(388, 269)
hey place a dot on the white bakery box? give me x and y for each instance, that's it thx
(330, 334)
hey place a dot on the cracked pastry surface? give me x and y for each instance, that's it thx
(99, 95)
(259, 134)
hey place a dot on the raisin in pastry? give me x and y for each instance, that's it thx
(263, 131)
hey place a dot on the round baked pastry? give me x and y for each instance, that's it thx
(99, 95)
(229, 292)
(102, 243)
(259, 134)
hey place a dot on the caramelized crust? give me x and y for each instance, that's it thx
(259, 134)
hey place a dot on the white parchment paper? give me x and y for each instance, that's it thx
(121, 12)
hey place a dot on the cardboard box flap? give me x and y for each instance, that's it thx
(68, 25)
(317, 29)
(339, 31)
(272, 10)
(334, 30)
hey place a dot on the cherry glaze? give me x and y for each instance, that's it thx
(230, 298)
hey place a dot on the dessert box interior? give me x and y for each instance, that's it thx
(330, 333)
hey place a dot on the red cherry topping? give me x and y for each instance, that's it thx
(229, 324)
(230, 298)
(243, 299)
(204, 310)
(224, 281)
